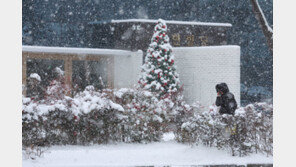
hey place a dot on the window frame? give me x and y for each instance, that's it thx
(68, 61)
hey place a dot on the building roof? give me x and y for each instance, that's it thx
(167, 21)
(71, 50)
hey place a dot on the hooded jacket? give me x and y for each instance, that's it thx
(226, 101)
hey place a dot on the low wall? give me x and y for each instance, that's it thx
(201, 68)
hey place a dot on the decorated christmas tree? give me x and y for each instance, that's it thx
(159, 72)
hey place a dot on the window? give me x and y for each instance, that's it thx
(44, 70)
(89, 73)
(78, 71)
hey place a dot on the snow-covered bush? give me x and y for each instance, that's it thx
(137, 115)
(145, 115)
(89, 117)
(98, 117)
(249, 130)
(45, 121)
(34, 89)
(125, 115)
(57, 88)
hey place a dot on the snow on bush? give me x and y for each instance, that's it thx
(89, 100)
(125, 115)
(57, 88)
(145, 116)
(35, 76)
(248, 131)
(137, 115)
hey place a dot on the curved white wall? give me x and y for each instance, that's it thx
(201, 68)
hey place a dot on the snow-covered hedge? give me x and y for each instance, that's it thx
(135, 115)
(249, 130)
(125, 115)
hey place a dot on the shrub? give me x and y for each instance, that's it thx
(145, 116)
(45, 122)
(124, 115)
(131, 115)
(248, 131)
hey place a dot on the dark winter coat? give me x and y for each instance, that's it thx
(226, 101)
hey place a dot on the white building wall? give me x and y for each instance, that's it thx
(127, 69)
(201, 68)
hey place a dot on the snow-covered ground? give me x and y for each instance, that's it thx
(167, 152)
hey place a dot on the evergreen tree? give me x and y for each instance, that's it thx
(159, 72)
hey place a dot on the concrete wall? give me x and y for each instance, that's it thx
(127, 69)
(201, 68)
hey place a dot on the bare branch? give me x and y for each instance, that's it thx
(267, 30)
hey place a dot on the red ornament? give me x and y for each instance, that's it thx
(168, 67)
(172, 62)
(166, 59)
(163, 26)
(75, 117)
(165, 50)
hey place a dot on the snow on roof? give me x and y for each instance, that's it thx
(70, 50)
(207, 47)
(174, 22)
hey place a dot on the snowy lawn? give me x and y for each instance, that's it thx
(167, 152)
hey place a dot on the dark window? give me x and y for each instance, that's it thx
(89, 73)
(45, 69)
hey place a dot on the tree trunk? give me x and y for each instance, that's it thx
(267, 31)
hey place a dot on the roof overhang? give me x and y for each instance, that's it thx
(167, 21)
